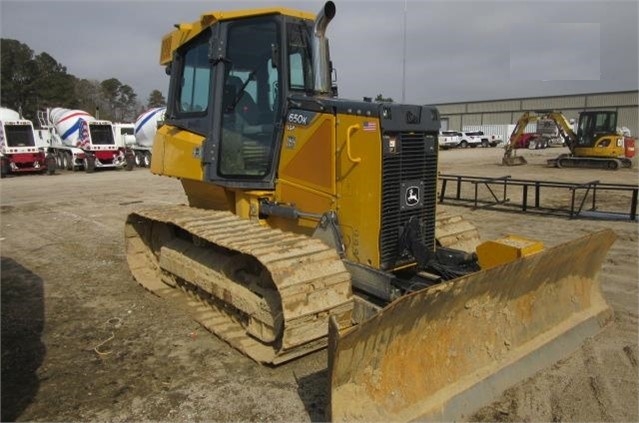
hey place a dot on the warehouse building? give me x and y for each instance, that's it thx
(456, 116)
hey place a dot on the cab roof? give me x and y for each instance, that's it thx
(186, 31)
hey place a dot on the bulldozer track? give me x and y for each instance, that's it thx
(267, 293)
(453, 231)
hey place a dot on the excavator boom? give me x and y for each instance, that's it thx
(510, 158)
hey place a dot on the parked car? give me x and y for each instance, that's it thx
(468, 139)
(448, 139)
(487, 140)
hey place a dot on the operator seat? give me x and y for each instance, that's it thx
(249, 144)
(244, 106)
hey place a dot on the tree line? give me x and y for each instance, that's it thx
(31, 82)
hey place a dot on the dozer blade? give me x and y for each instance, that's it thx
(444, 352)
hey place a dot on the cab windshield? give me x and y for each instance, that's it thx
(19, 135)
(102, 134)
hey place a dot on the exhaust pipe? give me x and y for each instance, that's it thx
(321, 56)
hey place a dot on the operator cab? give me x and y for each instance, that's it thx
(19, 134)
(102, 134)
(592, 125)
(230, 83)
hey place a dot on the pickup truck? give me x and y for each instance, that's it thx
(469, 139)
(486, 140)
(448, 139)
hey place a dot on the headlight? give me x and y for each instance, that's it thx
(390, 143)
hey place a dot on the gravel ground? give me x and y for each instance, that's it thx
(81, 341)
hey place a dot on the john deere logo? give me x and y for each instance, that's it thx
(412, 196)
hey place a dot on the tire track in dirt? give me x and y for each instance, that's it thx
(600, 386)
(631, 354)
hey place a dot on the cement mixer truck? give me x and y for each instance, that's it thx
(77, 140)
(19, 152)
(123, 134)
(146, 126)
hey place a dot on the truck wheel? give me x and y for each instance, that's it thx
(463, 144)
(51, 164)
(138, 160)
(130, 161)
(484, 143)
(147, 159)
(4, 167)
(89, 164)
(68, 157)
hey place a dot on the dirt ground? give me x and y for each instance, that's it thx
(81, 341)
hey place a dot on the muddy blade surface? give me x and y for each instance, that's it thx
(442, 353)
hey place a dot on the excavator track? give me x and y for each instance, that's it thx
(267, 293)
(609, 163)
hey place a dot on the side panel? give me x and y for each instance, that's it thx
(359, 187)
(177, 153)
(605, 146)
(208, 196)
(307, 163)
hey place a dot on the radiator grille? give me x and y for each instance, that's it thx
(416, 160)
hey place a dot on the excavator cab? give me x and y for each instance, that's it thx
(593, 125)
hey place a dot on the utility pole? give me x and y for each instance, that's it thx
(404, 56)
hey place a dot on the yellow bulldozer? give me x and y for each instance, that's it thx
(312, 222)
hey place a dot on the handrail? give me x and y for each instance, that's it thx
(348, 144)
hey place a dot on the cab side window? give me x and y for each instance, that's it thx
(300, 60)
(193, 96)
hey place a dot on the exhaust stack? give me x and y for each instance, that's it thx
(321, 56)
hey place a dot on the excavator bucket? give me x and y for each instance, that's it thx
(444, 352)
(511, 160)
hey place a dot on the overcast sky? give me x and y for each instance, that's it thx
(455, 50)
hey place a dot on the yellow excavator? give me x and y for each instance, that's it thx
(312, 222)
(596, 145)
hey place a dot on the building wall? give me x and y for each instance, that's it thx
(612, 100)
(500, 112)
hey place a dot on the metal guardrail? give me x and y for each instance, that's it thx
(580, 195)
